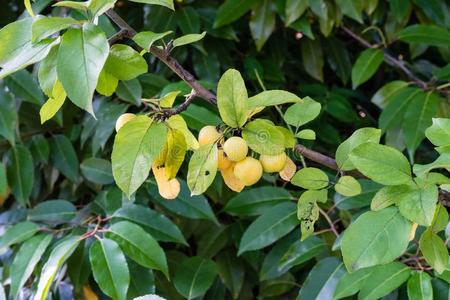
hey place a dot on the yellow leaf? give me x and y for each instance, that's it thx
(168, 99)
(53, 104)
(177, 122)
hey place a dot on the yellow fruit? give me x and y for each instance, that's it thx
(412, 234)
(273, 163)
(248, 170)
(235, 148)
(230, 179)
(289, 170)
(88, 293)
(208, 135)
(123, 119)
(168, 189)
(223, 162)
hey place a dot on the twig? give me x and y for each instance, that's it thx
(166, 113)
(332, 227)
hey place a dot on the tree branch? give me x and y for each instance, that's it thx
(167, 113)
(389, 59)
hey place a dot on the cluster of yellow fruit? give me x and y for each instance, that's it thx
(239, 170)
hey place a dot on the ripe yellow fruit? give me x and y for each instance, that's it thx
(248, 170)
(235, 148)
(223, 162)
(230, 179)
(208, 135)
(168, 189)
(289, 170)
(273, 163)
(123, 119)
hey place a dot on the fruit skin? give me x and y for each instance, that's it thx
(235, 148)
(273, 163)
(168, 189)
(123, 119)
(208, 135)
(248, 170)
(289, 170)
(230, 179)
(223, 162)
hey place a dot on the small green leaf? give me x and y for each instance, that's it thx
(194, 276)
(64, 157)
(351, 283)
(271, 98)
(110, 268)
(381, 163)
(310, 178)
(139, 245)
(52, 106)
(262, 22)
(136, 145)
(18, 233)
(443, 161)
(294, 9)
(375, 238)
(439, 132)
(351, 8)
(425, 34)
(312, 56)
(107, 83)
(302, 112)
(269, 227)
(307, 213)
(434, 250)
(366, 65)
(146, 39)
(125, 63)
(306, 134)
(202, 168)
(232, 10)
(166, 3)
(386, 93)
(20, 172)
(53, 212)
(188, 39)
(419, 286)
(389, 195)
(232, 99)
(263, 137)
(348, 186)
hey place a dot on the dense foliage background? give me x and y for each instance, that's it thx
(374, 63)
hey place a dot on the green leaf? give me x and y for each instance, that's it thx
(443, 161)
(418, 117)
(4, 188)
(262, 22)
(232, 99)
(300, 252)
(375, 238)
(302, 112)
(107, 83)
(166, 3)
(400, 9)
(47, 73)
(202, 169)
(310, 178)
(188, 20)
(24, 86)
(306, 134)
(383, 280)
(146, 39)
(20, 172)
(387, 92)
(439, 132)
(99, 7)
(322, 280)
(53, 104)
(351, 283)
(44, 27)
(188, 39)
(256, 201)
(440, 218)
(381, 163)
(53, 212)
(348, 186)
(294, 9)
(81, 56)
(312, 57)
(139, 245)
(231, 271)
(419, 203)
(360, 136)
(231, 10)
(110, 268)
(17, 234)
(338, 58)
(158, 225)
(125, 63)
(271, 98)
(352, 8)
(57, 258)
(419, 286)
(64, 157)
(130, 91)
(136, 145)
(212, 241)
(434, 250)
(193, 207)
(307, 213)
(194, 277)
(388, 196)
(26, 259)
(8, 117)
(263, 137)
(366, 65)
(97, 170)
(269, 227)
(425, 34)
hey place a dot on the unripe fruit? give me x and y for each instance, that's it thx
(208, 135)
(248, 170)
(230, 179)
(273, 163)
(223, 162)
(123, 119)
(235, 148)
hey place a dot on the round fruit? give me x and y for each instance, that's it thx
(248, 170)
(273, 163)
(230, 179)
(208, 135)
(223, 162)
(235, 148)
(123, 119)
